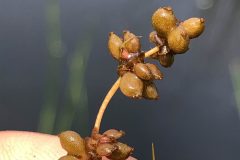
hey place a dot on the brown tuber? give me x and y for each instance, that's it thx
(178, 40)
(152, 37)
(163, 21)
(193, 26)
(113, 133)
(114, 45)
(131, 42)
(73, 143)
(157, 74)
(122, 152)
(166, 60)
(105, 149)
(131, 85)
(150, 91)
(142, 71)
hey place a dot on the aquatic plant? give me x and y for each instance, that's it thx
(171, 37)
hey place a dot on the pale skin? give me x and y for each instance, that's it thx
(21, 145)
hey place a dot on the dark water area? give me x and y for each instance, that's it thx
(55, 65)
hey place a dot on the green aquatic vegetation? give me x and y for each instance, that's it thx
(57, 115)
(48, 111)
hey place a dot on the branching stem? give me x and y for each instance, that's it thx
(110, 94)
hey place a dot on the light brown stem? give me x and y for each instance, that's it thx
(151, 51)
(153, 152)
(105, 102)
(110, 94)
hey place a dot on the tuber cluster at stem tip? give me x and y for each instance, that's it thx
(94, 147)
(171, 35)
(136, 80)
(136, 76)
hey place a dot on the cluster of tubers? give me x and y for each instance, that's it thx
(95, 147)
(137, 76)
(171, 37)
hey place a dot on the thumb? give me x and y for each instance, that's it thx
(17, 145)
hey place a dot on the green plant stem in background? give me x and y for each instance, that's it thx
(76, 108)
(235, 76)
(55, 52)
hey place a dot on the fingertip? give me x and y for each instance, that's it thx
(29, 145)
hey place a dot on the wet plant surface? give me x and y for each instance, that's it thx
(136, 80)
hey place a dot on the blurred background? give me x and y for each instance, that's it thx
(55, 70)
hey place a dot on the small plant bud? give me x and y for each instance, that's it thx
(68, 157)
(152, 36)
(193, 26)
(142, 71)
(166, 60)
(131, 42)
(122, 69)
(90, 143)
(157, 74)
(163, 21)
(114, 45)
(105, 149)
(105, 139)
(131, 85)
(178, 40)
(113, 133)
(73, 143)
(122, 152)
(150, 91)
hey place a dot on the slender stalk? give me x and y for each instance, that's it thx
(104, 105)
(153, 152)
(151, 51)
(110, 94)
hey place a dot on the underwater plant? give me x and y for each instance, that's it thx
(136, 80)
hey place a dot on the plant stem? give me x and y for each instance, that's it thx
(110, 94)
(104, 105)
(47, 116)
(151, 51)
(153, 152)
